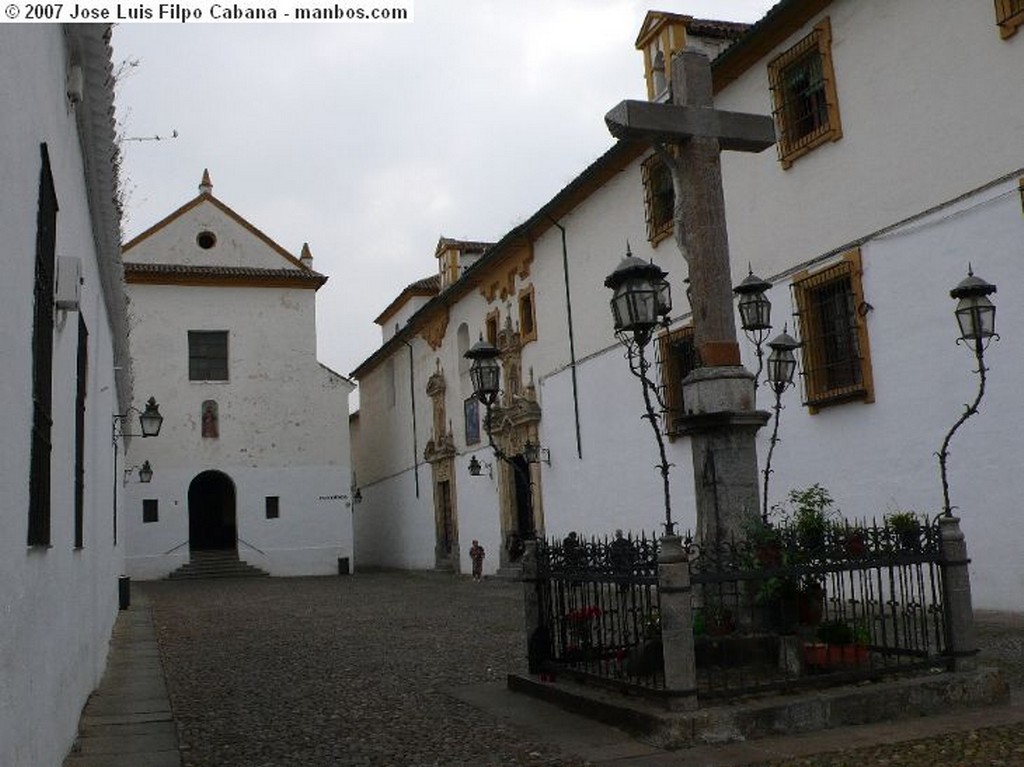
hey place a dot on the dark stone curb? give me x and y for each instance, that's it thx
(773, 716)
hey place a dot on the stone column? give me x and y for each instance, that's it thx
(674, 595)
(961, 644)
(537, 641)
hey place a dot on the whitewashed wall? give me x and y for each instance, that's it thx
(58, 603)
(880, 456)
(923, 122)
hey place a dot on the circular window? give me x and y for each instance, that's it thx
(206, 240)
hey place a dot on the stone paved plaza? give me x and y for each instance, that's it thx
(368, 669)
(340, 671)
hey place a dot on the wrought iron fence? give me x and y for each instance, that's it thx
(798, 607)
(599, 608)
(780, 610)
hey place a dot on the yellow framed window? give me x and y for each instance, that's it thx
(831, 321)
(1009, 16)
(804, 100)
(676, 358)
(659, 198)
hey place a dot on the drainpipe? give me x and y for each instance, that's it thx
(412, 404)
(572, 340)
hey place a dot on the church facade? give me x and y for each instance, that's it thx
(893, 174)
(254, 454)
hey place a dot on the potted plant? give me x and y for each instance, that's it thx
(812, 513)
(907, 527)
(839, 644)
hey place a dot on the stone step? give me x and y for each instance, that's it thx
(216, 564)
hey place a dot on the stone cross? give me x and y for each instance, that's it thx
(698, 131)
(720, 415)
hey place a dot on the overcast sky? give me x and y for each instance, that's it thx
(369, 141)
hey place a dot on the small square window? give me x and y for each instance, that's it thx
(1009, 16)
(208, 355)
(273, 507)
(659, 198)
(149, 510)
(803, 86)
(833, 334)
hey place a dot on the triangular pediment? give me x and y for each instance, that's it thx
(205, 232)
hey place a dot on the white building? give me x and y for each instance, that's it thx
(63, 346)
(253, 457)
(897, 165)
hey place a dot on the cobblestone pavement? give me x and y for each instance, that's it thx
(354, 671)
(289, 672)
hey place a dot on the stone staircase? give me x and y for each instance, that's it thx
(216, 564)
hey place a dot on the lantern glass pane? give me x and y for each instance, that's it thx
(150, 420)
(643, 303)
(755, 311)
(484, 375)
(781, 366)
(976, 316)
(664, 298)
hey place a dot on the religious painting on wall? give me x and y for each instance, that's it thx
(211, 425)
(471, 410)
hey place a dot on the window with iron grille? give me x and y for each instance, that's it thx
(42, 359)
(273, 506)
(676, 358)
(833, 334)
(150, 510)
(208, 355)
(659, 198)
(80, 393)
(1009, 16)
(803, 86)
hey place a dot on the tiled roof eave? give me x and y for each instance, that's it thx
(177, 274)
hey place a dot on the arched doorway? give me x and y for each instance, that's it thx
(211, 512)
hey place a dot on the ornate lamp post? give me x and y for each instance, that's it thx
(755, 314)
(976, 315)
(781, 367)
(641, 301)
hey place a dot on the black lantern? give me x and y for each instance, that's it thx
(641, 298)
(781, 360)
(146, 473)
(474, 467)
(755, 314)
(755, 308)
(975, 313)
(150, 419)
(484, 372)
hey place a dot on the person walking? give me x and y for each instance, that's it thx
(477, 554)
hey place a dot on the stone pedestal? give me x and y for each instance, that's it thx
(961, 643)
(675, 599)
(721, 422)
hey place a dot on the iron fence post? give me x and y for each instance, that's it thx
(677, 623)
(961, 645)
(537, 644)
